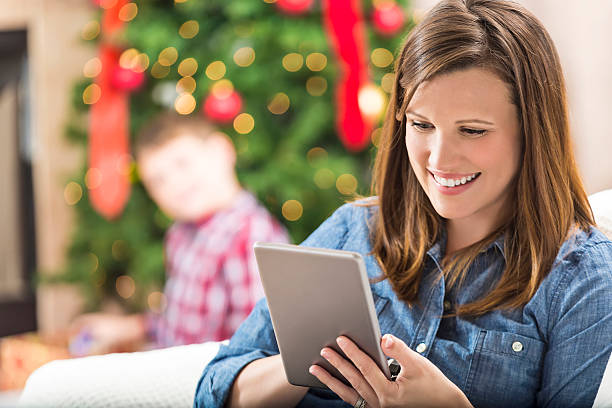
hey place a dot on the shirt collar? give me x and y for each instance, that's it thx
(438, 249)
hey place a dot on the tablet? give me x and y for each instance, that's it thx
(314, 296)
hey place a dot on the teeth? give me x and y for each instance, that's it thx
(453, 183)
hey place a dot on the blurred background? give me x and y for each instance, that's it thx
(275, 76)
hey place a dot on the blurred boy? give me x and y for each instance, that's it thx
(212, 280)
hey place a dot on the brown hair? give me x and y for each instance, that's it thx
(168, 126)
(506, 39)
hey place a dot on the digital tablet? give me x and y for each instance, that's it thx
(314, 296)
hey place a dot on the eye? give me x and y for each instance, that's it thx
(420, 125)
(473, 132)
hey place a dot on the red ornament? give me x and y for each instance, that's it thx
(222, 107)
(126, 79)
(388, 18)
(294, 7)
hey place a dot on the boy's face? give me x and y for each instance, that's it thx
(185, 175)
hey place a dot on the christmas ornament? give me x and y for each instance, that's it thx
(222, 107)
(294, 7)
(126, 79)
(388, 18)
(346, 31)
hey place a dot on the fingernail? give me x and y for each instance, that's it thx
(341, 342)
(388, 340)
(311, 370)
(325, 353)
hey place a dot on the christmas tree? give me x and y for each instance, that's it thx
(266, 72)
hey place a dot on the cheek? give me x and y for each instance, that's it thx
(417, 153)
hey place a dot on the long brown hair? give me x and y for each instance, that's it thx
(505, 38)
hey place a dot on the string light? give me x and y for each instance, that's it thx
(346, 184)
(371, 100)
(90, 31)
(244, 123)
(215, 70)
(185, 103)
(126, 60)
(243, 57)
(168, 56)
(324, 178)
(292, 210)
(188, 67)
(157, 302)
(375, 136)
(386, 83)
(93, 178)
(186, 84)
(381, 57)
(222, 88)
(159, 71)
(92, 68)
(125, 285)
(128, 12)
(316, 85)
(279, 104)
(189, 29)
(315, 155)
(73, 193)
(92, 94)
(316, 61)
(292, 62)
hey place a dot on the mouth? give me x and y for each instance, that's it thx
(456, 181)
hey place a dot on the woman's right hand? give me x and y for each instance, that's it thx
(263, 383)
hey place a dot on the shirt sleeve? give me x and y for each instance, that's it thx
(255, 338)
(580, 334)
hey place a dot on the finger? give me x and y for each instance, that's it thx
(351, 373)
(345, 392)
(364, 363)
(395, 347)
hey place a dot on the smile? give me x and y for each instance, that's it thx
(451, 183)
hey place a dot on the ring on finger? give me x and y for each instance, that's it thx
(361, 403)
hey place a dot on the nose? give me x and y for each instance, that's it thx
(443, 150)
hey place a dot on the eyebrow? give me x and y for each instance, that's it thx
(458, 122)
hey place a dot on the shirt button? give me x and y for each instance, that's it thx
(447, 305)
(421, 347)
(517, 346)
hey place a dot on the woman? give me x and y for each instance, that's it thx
(490, 281)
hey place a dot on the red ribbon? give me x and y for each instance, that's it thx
(108, 129)
(345, 28)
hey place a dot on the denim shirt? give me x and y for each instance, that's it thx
(550, 353)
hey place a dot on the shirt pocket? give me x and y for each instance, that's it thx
(379, 303)
(505, 370)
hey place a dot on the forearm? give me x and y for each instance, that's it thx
(263, 383)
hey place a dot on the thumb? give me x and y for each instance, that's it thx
(396, 348)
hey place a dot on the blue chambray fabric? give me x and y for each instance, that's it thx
(565, 331)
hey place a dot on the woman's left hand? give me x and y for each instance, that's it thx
(419, 383)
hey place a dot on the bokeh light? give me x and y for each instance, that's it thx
(73, 192)
(324, 178)
(92, 68)
(292, 210)
(189, 29)
(375, 136)
(186, 84)
(185, 103)
(157, 302)
(125, 285)
(215, 70)
(316, 154)
(244, 123)
(222, 88)
(316, 61)
(128, 12)
(93, 178)
(126, 60)
(159, 71)
(119, 250)
(316, 85)
(90, 31)
(381, 57)
(346, 184)
(94, 262)
(188, 67)
(292, 62)
(279, 103)
(168, 56)
(92, 94)
(386, 83)
(371, 101)
(243, 57)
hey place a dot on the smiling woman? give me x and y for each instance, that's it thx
(480, 241)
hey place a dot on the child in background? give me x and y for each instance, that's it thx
(212, 279)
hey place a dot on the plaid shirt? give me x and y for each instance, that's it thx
(212, 278)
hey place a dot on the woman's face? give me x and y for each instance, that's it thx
(464, 145)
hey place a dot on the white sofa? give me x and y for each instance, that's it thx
(168, 377)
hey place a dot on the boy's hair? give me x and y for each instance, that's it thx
(170, 125)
